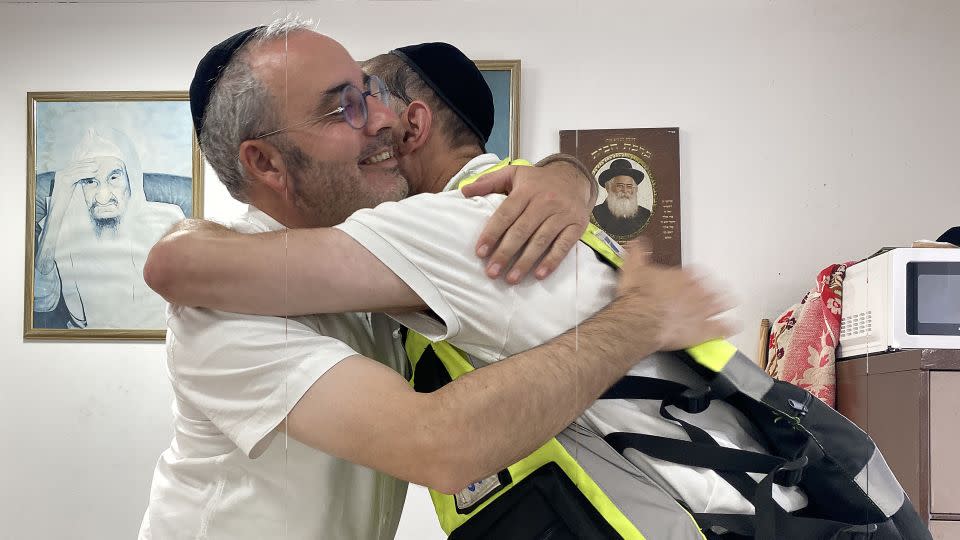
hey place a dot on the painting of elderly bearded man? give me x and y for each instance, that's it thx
(109, 174)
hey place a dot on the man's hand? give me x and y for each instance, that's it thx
(64, 183)
(673, 300)
(67, 178)
(46, 258)
(541, 220)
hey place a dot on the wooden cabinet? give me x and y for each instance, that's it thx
(945, 530)
(909, 403)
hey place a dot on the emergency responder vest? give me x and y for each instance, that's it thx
(852, 493)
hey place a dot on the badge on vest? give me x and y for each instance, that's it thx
(476, 493)
(610, 242)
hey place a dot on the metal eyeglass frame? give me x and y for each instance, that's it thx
(372, 81)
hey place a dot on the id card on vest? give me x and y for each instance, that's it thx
(473, 495)
(610, 242)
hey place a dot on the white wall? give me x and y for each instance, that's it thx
(811, 132)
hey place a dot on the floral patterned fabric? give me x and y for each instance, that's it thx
(803, 340)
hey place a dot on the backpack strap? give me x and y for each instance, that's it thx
(788, 526)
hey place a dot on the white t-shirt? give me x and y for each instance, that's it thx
(228, 474)
(428, 241)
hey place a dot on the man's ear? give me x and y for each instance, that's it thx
(265, 165)
(416, 121)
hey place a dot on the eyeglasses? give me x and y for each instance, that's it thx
(353, 106)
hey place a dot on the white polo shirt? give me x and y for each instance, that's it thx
(228, 474)
(428, 241)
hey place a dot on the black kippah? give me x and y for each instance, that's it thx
(456, 80)
(208, 73)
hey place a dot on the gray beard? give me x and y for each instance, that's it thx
(101, 224)
(622, 207)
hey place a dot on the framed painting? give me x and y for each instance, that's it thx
(108, 173)
(503, 77)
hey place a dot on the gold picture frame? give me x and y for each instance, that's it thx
(503, 77)
(128, 166)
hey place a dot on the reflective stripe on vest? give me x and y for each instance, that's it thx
(452, 515)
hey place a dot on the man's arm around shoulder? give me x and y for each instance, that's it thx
(291, 272)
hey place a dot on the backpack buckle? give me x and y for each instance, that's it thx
(693, 400)
(801, 408)
(790, 473)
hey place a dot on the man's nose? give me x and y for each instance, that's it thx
(104, 194)
(379, 116)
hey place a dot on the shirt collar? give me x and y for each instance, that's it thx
(261, 219)
(475, 166)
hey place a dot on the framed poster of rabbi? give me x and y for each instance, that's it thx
(638, 171)
(108, 173)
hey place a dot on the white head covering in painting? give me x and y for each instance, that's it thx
(109, 142)
(101, 261)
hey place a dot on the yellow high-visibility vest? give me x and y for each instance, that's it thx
(447, 362)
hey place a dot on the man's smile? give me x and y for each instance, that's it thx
(378, 157)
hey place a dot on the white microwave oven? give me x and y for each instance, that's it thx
(905, 298)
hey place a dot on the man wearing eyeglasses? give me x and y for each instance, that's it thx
(289, 427)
